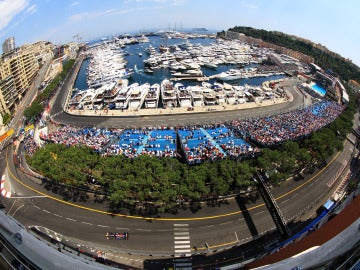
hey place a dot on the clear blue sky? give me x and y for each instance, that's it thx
(332, 23)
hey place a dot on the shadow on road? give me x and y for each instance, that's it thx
(248, 219)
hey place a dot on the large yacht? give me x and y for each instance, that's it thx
(230, 94)
(76, 98)
(86, 101)
(209, 97)
(219, 93)
(197, 95)
(184, 96)
(152, 97)
(137, 96)
(121, 100)
(168, 94)
(114, 89)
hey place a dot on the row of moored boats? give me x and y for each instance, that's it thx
(121, 95)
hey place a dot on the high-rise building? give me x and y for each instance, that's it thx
(17, 72)
(8, 45)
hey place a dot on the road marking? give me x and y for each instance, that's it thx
(71, 219)
(182, 242)
(182, 248)
(28, 197)
(179, 247)
(181, 237)
(284, 201)
(57, 215)
(178, 229)
(181, 233)
(102, 226)
(87, 223)
(46, 211)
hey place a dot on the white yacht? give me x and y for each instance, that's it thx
(168, 94)
(121, 100)
(210, 98)
(137, 96)
(219, 93)
(197, 95)
(152, 97)
(231, 75)
(230, 94)
(183, 95)
(114, 89)
(86, 101)
(75, 100)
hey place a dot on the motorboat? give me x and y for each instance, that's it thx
(152, 96)
(183, 95)
(168, 94)
(137, 96)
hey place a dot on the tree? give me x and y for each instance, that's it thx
(33, 111)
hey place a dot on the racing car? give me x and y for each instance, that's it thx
(117, 236)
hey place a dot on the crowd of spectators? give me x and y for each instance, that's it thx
(30, 146)
(152, 142)
(198, 143)
(293, 125)
(95, 138)
(197, 146)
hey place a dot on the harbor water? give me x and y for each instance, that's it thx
(135, 55)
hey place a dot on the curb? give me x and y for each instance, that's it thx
(4, 192)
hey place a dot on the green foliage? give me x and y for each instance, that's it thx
(34, 110)
(6, 118)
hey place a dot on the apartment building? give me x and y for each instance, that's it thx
(8, 45)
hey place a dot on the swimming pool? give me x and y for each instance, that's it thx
(318, 89)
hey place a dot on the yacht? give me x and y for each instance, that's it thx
(124, 73)
(197, 95)
(86, 101)
(183, 95)
(230, 94)
(121, 100)
(210, 98)
(152, 97)
(75, 100)
(113, 90)
(219, 93)
(137, 96)
(168, 94)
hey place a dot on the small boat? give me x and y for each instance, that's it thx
(148, 70)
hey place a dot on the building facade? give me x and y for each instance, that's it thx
(17, 72)
(8, 45)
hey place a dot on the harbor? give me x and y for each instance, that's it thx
(156, 75)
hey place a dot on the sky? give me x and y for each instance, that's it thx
(332, 23)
